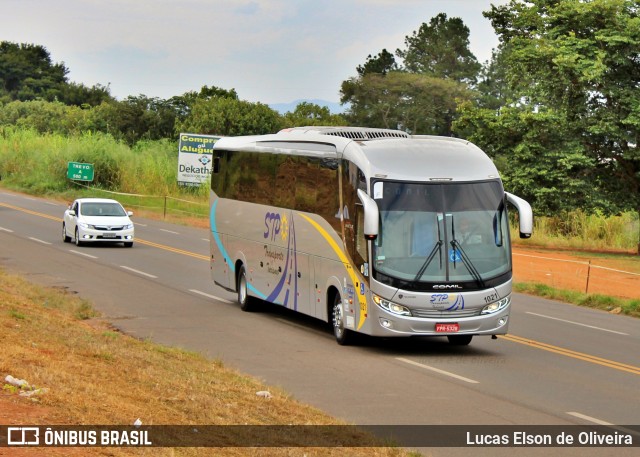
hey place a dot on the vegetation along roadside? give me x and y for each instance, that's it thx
(83, 371)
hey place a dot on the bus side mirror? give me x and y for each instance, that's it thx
(371, 215)
(526, 215)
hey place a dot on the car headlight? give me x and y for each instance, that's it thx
(496, 305)
(84, 225)
(128, 226)
(394, 308)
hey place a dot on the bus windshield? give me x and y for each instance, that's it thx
(441, 233)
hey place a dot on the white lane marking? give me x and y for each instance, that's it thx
(141, 225)
(437, 370)
(577, 323)
(84, 254)
(139, 272)
(6, 230)
(601, 422)
(588, 418)
(53, 204)
(205, 239)
(38, 240)
(209, 296)
(170, 231)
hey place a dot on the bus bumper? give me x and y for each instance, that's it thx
(389, 325)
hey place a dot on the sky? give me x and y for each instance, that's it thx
(269, 51)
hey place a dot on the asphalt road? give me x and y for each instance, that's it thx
(560, 364)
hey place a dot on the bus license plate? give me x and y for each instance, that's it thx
(447, 328)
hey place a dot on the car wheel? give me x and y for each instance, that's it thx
(65, 237)
(343, 336)
(459, 340)
(77, 238)
(247, 303)
(128, 244)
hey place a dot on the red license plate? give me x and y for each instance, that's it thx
(448, 328)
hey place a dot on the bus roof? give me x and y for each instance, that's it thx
(384, 153)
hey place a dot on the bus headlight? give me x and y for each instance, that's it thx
(391, 307)
(496, 305)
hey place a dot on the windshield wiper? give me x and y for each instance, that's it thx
(436, 248)
(432, 254)
(455, 244)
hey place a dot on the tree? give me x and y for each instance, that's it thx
(311, 114)
(230, 117)
(381, 64)
(27, 73)
(581, 59)
(44, 117)
(182, 103)
(418, 103)
(81, 95)
(135, 118)
(538, 156)
(493, 87)
(422, 95)
(441, 49)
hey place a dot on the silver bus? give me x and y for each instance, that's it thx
(374, 231)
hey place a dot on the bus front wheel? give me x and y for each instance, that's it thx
(343, 336)
(246, 302)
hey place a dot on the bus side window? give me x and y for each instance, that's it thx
(286, 172)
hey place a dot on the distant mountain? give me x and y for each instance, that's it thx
(282, 108)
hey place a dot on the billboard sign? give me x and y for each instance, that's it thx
(195, 154)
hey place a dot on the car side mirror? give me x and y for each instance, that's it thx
(72, 212)
(130, 213)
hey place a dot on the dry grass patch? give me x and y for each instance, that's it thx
(96, 375)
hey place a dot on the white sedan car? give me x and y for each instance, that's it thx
(97, 220)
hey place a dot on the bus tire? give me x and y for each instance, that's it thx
(343, 336)
(246, 302)
(459, 340)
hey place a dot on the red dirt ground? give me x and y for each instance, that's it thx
(564, 270)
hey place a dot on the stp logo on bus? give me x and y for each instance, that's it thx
(275, 225)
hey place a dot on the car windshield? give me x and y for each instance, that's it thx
(440, 233)
(102, 209)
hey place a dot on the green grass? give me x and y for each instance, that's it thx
(596, 301)
(588, 232)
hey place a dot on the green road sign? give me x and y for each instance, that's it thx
(80, 171)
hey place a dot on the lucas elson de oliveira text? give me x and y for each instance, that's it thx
(561, 439)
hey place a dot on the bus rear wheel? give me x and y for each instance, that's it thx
(246, 302)
(343, 336)
(459, 340)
